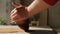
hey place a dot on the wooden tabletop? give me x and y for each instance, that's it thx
(32, 30)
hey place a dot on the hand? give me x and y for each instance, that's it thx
(19, 13)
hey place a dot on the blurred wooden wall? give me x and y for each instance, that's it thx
(54, 15)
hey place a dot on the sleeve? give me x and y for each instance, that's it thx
(51, 2)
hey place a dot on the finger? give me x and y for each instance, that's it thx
(18, 10)
(16, 5)
(12, 17)
(13, 13)
(15, 17)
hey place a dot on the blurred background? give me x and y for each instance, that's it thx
(49, 17)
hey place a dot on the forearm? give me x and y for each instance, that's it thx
(38, 6)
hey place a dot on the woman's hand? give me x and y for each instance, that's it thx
(19, 13)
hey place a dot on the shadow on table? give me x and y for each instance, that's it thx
(41, 32)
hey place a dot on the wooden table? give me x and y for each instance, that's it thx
(33, 30)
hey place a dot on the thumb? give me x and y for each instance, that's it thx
(16, 5)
